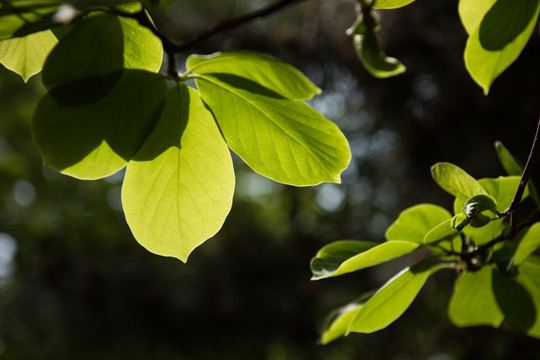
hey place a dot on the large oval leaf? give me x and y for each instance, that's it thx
(265, 70)
(282, 139)
(100, 46)
(26, 55)
(346, 256)
(471, 12)
(391, 300)
(97, 139)
(178, 189)
(473, 301)
(499, 39)
(415, 222)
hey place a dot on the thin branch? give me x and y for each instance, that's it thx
(171, 47)
(232, 23)
(531, 162)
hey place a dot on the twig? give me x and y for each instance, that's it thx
(229, 24)
(531, 162)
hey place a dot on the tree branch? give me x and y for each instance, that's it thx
(232, 23)
(531, 162)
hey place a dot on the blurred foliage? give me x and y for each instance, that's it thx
(80, 287)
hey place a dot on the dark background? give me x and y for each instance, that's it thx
(74, 284)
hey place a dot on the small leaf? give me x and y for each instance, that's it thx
(456, 181)
(282, 139)
(374, 59)
(415, 222)
(27, 18)
(512, 166)
(471, 12)
(262, 69)
(473, 301)
(499, 39)
(392, 299)
(502, 190)
(346, 256)
(26, 55)
(442, 232)
(178, 189)
(528, 244)
(391, 4)
(95, 140)
(337, 322)
(459, 221)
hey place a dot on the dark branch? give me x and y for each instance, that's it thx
(171, 48)
(232, 23)
(531, 162)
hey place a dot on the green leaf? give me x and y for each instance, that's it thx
(473, 301)
(99, 46)
(528, 244)
(456, 181)
(441, 232)
(512, 166)
(502, 190)
(499, 39)
(415, 222)
(373, 58)
(346, 256)
(262, 69)
(97, 139)
(529, 277)
(515, 302)
(178, 189)
(26, 55)
(391, 4)
(392, 299)
(337, 322)
(471, 12)
(24, 18)
(282, 139)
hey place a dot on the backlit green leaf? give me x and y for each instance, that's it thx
(285, 140)
(95, 140)
(262, 69)
(512, 166)
(391, 4)
(441, 232)
(529, 277)
(415, 222)
(100, 46)
(24, 18)
(528, 244)
(499, 39)
(178, 189)
(26, 55)
(346, 256)
(471, 12)
(391, 300)
(456, 181)
(373, 58)
(502, 190)
(337, 322)
(473, 301)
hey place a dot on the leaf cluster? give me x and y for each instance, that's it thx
(495, 262)
(108, 107)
